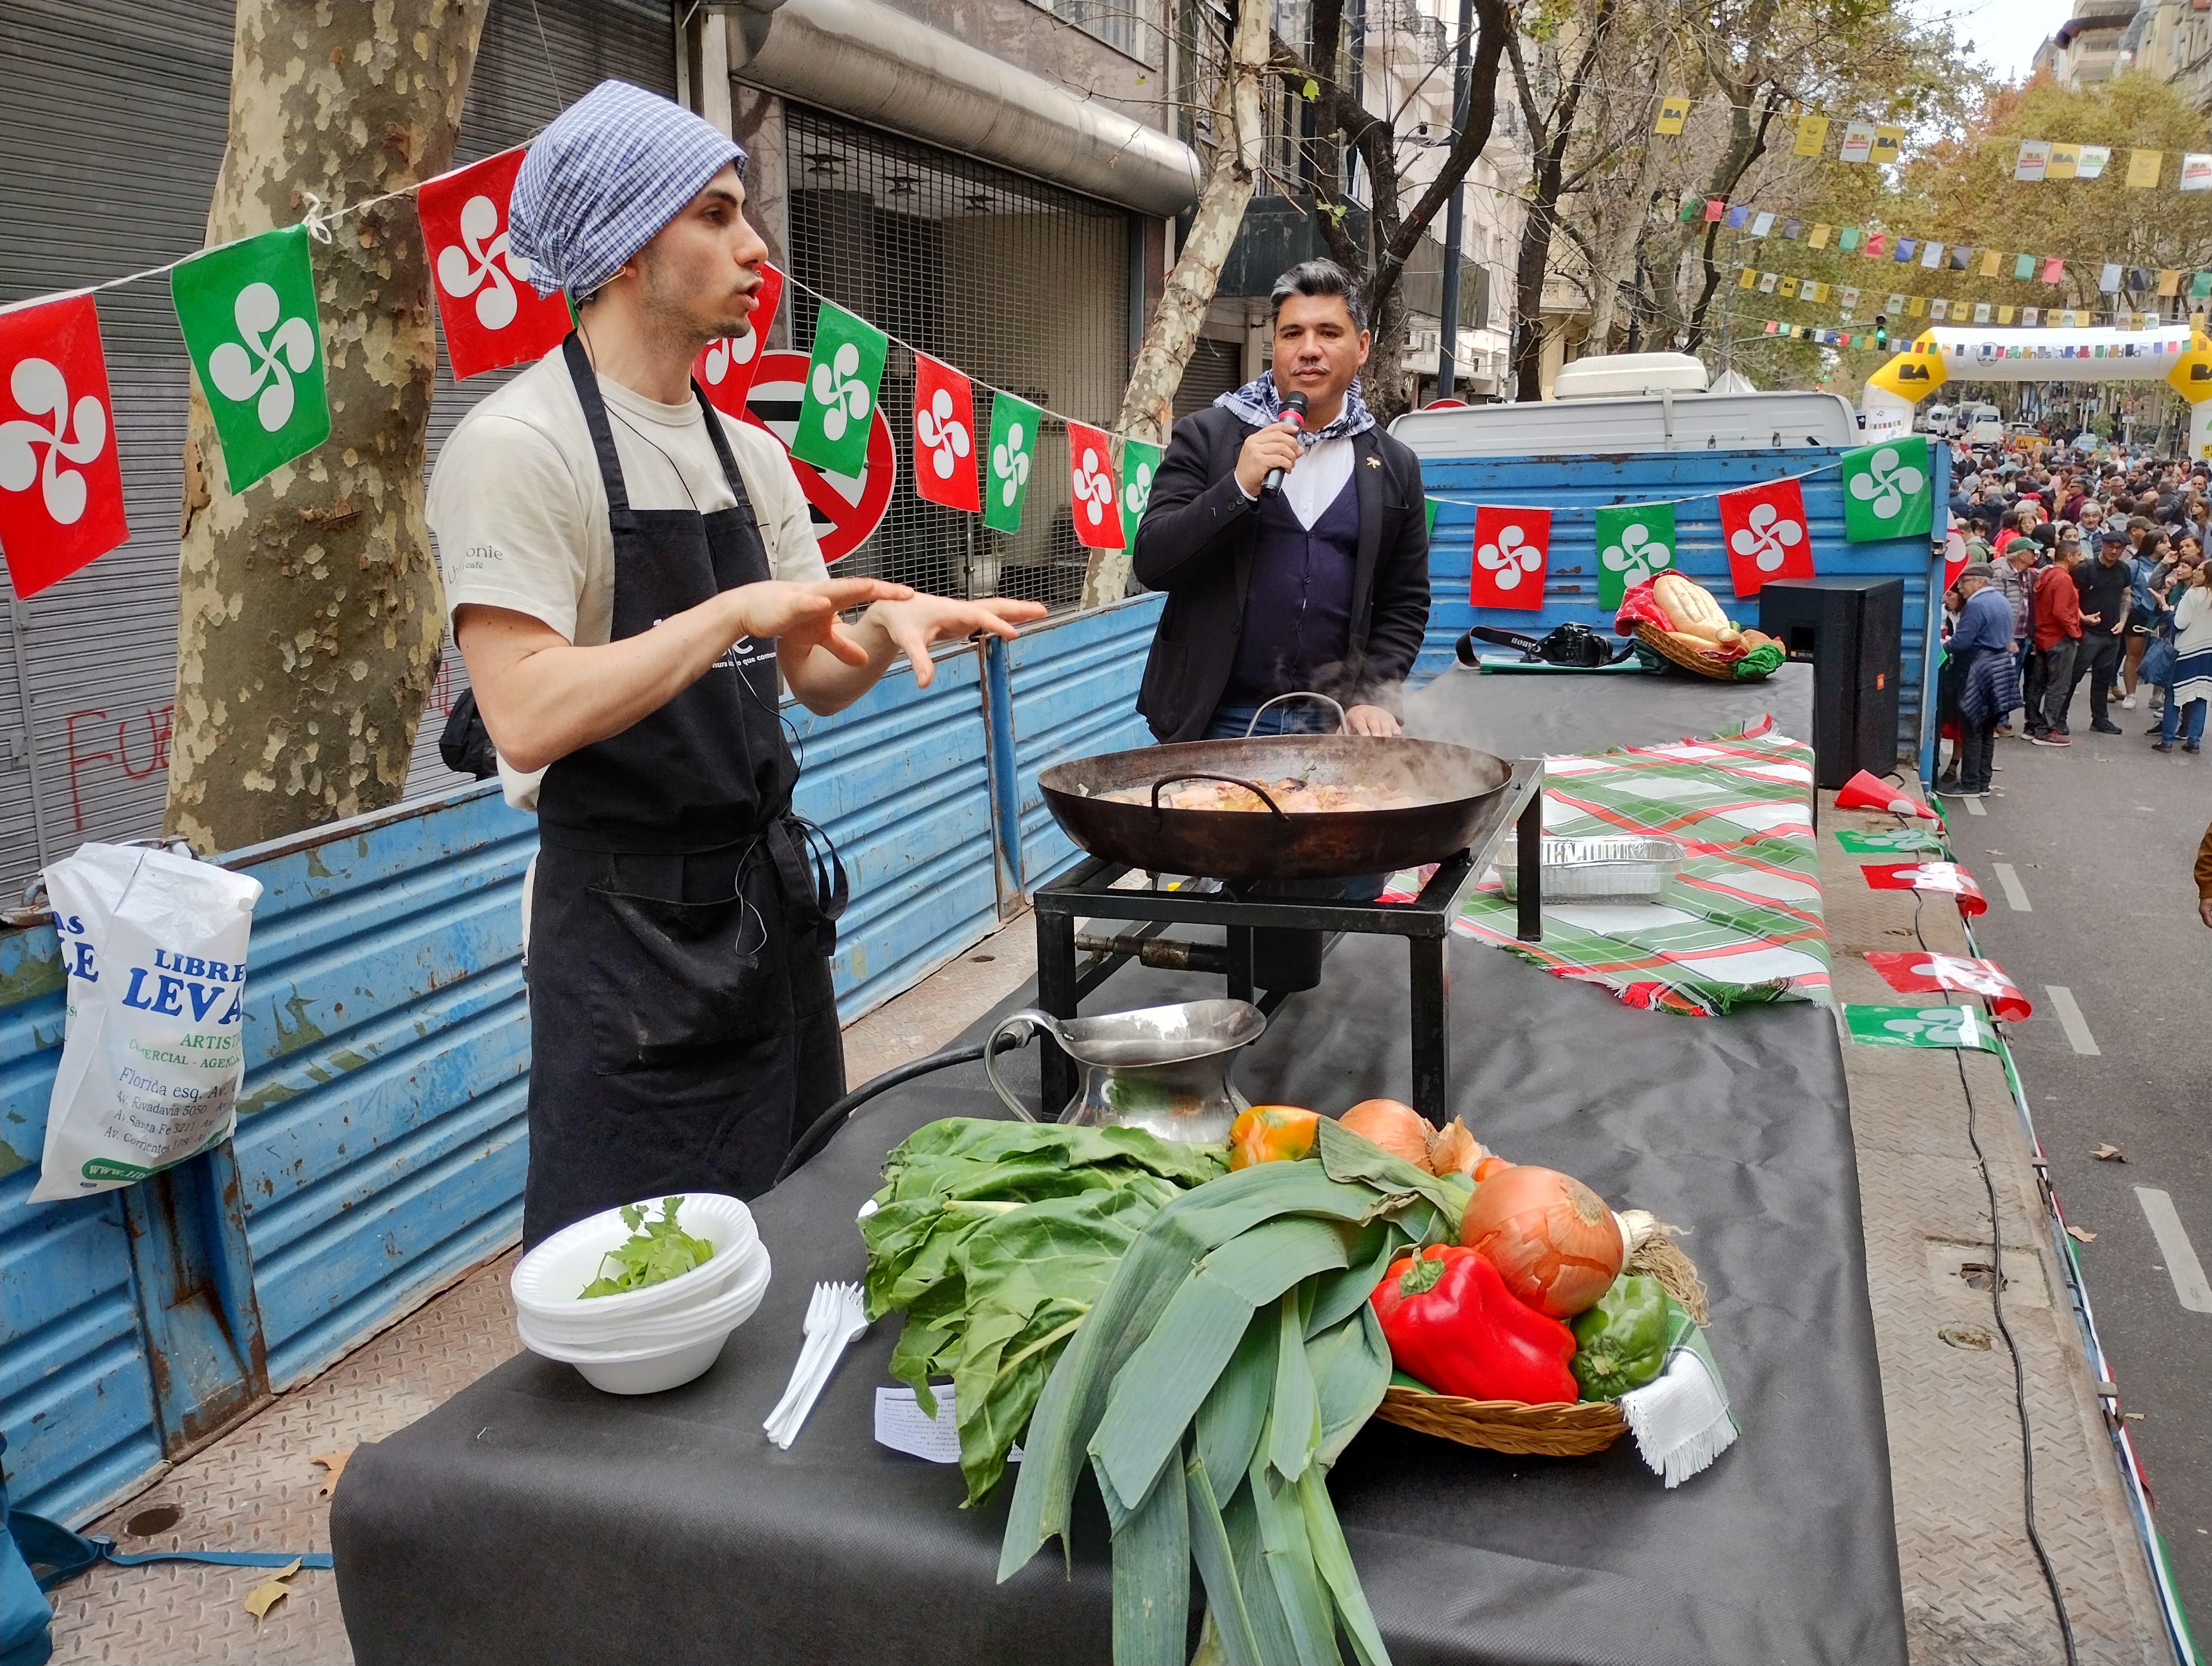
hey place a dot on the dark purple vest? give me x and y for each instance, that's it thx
(1297, 609)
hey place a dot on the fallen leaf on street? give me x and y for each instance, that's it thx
(335, 1464)
(2080, 1235)
(1965, 1336)
(264, 1597)
(2109, 1154)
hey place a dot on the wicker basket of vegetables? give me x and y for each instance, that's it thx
(1521, 1337)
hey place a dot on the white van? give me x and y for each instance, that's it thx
(1981, 425)
(1939, 421)
(1629, 403)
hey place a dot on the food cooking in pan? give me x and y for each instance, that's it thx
(1291, 794)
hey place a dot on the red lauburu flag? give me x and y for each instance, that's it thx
(725, 368)
(1512, 548)
(61, 488)
(1947, 878)
(1766, 534)
(1918, 972)
(943, 436)
(1097, 508)
(491, 315)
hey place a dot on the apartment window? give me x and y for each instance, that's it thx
(1126, 26)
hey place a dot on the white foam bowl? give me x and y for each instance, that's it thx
(549, 1280)
(654, 1372)
(721, 1313)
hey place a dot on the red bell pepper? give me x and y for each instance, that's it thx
(1452, 1324)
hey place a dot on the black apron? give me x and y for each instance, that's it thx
(682, 1028)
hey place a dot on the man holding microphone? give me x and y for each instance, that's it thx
(1290, 535)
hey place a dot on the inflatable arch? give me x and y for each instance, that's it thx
(2179, 353)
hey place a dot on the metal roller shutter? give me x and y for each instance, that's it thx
(138, 90)
(1019, 283)
(1216, 367)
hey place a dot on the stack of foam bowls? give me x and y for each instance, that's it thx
(641, 1341)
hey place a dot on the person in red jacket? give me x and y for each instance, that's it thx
(2056, 622)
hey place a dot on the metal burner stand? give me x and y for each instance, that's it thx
(1088, 893)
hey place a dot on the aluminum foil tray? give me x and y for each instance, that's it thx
(1628, 870)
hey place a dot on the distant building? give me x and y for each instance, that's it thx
(2172, 40)
(2090, 46)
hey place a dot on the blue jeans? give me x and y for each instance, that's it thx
(1292, 717)
(2171, 724)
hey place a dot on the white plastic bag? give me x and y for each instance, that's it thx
(154, 945)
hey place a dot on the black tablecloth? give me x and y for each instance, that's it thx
(532, 1519)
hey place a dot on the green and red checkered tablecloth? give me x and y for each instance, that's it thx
(1742, 924)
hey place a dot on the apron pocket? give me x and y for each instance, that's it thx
(667, 980)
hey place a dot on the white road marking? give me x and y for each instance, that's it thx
(1974, 808)
(2182, 1265)
(2010, 883)
(2070, 1020)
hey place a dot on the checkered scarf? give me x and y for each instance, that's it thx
(1257, 403)
(613, 168)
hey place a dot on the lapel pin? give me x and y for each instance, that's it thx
(1374, 462)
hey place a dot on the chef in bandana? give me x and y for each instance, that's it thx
(631, 575)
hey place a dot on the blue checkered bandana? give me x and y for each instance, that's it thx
(614, 167)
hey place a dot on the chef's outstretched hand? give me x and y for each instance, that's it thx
(1372, 721)
(800, 616)
(919, 623)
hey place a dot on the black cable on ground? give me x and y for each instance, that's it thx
(819, 1131)
(1997, 1308)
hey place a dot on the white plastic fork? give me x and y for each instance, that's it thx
(848, 1320)
(819, 1308)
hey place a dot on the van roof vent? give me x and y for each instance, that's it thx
(1628, 376)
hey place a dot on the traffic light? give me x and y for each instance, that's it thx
(1880, 330)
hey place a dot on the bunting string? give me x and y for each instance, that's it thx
(248, 314)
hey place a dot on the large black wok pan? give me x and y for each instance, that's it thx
(1252, 845)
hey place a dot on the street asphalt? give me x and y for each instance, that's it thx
(2099, 840)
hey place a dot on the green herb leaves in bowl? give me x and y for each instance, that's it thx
(655, 1252)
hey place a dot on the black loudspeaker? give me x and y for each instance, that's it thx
(1853, 631)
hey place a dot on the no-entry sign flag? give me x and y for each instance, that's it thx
(1917, 973)
(1512, 548)
(61, 490)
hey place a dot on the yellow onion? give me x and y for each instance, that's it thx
(1398, 1128)
(1454, 1151)
(1551, 1237)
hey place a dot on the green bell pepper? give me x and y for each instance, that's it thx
(1622, 1343)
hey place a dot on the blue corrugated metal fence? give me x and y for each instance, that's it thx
(380, 1144)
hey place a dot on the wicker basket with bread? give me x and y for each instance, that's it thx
(1700, 639)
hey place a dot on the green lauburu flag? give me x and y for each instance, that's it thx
(247, 311)
(1901, 841)
(1634, 542)
(842, 381)
(1889, 490)
(1006, 465)
(1920, 1026)
(1139, 464)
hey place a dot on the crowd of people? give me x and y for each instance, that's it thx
(2076, 574)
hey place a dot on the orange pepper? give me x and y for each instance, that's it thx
(1271, 1133)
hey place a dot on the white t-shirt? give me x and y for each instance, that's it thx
(520, 512)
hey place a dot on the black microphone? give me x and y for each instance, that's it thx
(1294, 413)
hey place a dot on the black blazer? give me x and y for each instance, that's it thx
(1195, 543)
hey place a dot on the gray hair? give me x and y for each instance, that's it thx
(1318, 278)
